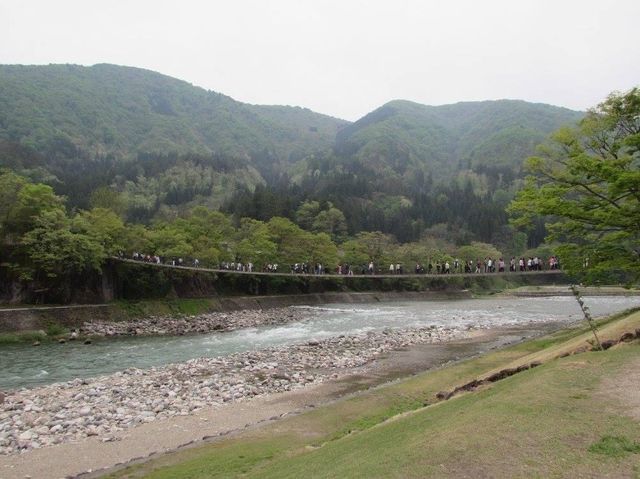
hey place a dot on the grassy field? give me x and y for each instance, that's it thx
(570, 417)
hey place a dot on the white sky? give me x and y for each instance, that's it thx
(346, 58)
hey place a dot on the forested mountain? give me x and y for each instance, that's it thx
(405, 168)
(156, 139)
(401, 136)
(152, 147)
(108, 109)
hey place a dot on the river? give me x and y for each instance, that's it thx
(25, 365)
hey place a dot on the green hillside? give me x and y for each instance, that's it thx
(121, 110)
(158, 140)
(443, 140)
(158, 146)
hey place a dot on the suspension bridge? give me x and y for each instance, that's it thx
(340, 276)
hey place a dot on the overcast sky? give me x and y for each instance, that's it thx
(345, 57)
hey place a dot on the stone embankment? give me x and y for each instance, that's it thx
(203, 323)
(104, 406)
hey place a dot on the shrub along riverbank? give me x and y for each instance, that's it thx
(575, 415)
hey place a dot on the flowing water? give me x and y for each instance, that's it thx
(23, 365)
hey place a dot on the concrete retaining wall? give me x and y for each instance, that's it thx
(266, 302)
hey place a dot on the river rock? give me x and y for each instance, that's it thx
(25, 436)
(203, 323)
(99, 406)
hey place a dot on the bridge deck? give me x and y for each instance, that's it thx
(344, 276)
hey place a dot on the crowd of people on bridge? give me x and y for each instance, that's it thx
(488, 265)
(242, 267)
(455, 266)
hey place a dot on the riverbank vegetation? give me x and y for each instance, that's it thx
(50, 246)
(22, 337)
(572, 412)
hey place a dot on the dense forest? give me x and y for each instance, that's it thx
(51, 249)
(150, 154)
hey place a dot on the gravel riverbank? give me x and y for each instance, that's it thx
(202, 323)
(103, 406)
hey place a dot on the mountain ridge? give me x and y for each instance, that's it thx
(104, 108)
(153, 147)
(152, 138)
(457, 131)
(202, 118)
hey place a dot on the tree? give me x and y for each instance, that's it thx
(10, 186)
(330, 221)
(204, 222)
(105, 197)
(206, 235)
(292, 242)
(54, 249)
(355, 253)
(22, 202)
(104, 226)
(170, 242)
(306, 214)
(322, 249)
(377, 246)
(478, 251)
(410, 254)
(137, 239)
(255, 243)
(586, 182)
(311, 216)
